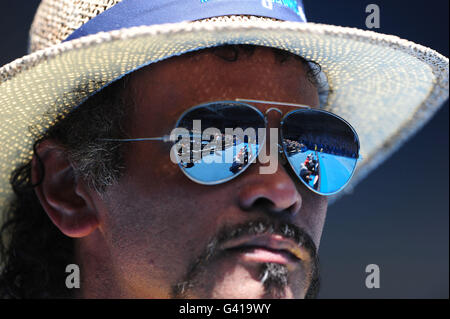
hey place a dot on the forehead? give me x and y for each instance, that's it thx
(163, 91)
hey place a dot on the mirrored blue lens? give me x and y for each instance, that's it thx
(321, 148)
(223, 141)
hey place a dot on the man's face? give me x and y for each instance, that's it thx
(167, 236)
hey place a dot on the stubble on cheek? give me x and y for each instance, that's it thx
(143, 258)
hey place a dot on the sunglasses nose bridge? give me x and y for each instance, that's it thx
(273, 109)
(272, 118)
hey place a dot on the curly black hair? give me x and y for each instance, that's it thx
(33, 251)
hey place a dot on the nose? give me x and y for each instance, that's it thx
(272, 193)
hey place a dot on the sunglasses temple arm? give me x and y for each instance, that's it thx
(165, 138)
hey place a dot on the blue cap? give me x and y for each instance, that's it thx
(133, 13)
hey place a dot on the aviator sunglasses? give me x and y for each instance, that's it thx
(321, 148)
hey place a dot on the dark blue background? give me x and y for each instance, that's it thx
(398, 217)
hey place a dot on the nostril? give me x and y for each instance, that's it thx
(293, 209)
(263, 204)
(266, 205)
(276, 193)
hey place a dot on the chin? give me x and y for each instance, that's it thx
(248, 293)
(245, 284)
(238, 278)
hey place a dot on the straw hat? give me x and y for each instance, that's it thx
(386, 87)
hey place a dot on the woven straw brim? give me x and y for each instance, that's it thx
(386, 87)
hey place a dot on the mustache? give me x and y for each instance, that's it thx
(254, 227)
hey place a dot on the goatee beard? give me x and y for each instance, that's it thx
(274, 278)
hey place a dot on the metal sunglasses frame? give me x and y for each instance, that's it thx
(282, 149)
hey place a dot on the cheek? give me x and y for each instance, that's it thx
(313, 214)
(161, 221)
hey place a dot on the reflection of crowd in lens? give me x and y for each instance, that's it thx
(240, 160)
(294, 147)
(188, 159)
(334, 145)
(309, 170)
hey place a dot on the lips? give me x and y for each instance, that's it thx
(267, 248)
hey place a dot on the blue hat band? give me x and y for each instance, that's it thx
(133, 13)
